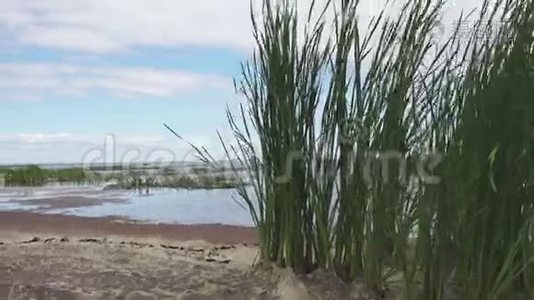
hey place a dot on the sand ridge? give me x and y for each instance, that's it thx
(115, 268)
(103, 268)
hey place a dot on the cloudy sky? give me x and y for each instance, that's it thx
(72, 72)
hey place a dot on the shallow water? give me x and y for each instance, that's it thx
(169, 206)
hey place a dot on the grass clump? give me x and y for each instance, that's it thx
(340, 135)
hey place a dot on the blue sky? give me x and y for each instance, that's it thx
(186, 88)
(72, 72)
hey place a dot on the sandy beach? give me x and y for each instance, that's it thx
(68, 257)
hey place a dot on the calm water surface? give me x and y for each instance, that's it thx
(169, 206)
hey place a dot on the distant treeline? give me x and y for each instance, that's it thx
(199, 178)
(198, 182)
(35, 176)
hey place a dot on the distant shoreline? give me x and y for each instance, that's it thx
(181, 175)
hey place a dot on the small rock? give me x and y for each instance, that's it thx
(227, 247)
(136, 244)
(64, 239)
(170, 247)
(34, 240)
(89, 241)
(217, 260)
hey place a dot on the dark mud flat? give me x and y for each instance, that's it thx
(27, 222)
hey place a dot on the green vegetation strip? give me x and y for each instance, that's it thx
(127, 179)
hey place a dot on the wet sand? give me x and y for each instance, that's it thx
(42, 224)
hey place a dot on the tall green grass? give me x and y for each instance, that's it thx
(339, 133)
(480, 216)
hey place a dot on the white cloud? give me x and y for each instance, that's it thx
(37, 138)
(69, 38)
(27, 81)
(82, 148)
(99, 26)
(80, 139)
(103, 26)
